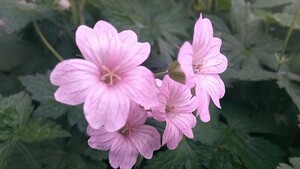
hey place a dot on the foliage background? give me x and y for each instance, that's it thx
(257, 127)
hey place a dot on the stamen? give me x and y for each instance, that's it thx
(125, 130)
(110, 76)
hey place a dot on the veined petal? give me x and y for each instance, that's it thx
(123, 153)
(203, 34)
(189, 106)
(106, 106)
(100, 139)
(214, 62)
(177, 93)
(158, 112)
(203, 105)
(213, 85)
(137, 116)
(172, 135)
(140, 86)
(88, 44)
(185, 60)
(146, 139)
(184, 122)
(134, 53)
(75, 78)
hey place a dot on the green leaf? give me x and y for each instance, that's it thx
(39, 129)
(253, 152)
(17, 14)
(210, 132)
(43, 91)
(150, 19)
(187, 155)
(242, 118)
(286, 20)
(292, 88)
(222, 158)
(250, 52)
(294, 161)
(14, 112)
(270, 3)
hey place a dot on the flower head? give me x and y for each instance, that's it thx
(126, 144)
(175, 108)
(109, 77)
(202, 63)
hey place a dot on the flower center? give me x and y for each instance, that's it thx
(169, 109)
(125, 131)
(197, 68)
(109, 77)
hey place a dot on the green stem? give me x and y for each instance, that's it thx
(28, 155)
(160, 74)
(287, 38)
(45, 41)
(81, 8)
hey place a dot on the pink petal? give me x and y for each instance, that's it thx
(158, 112)
(75, 78)
(134, 53)
(185, 60)
(189, 106)
(88, 44)
(139, 84)
(137, 116)
(203, 34)
(203, 105)
(172, 136)
(123, 153)
(146, 139)
(214, 62)
(184, 122)
(177, 93)
(106, 106)
(100, 139)
(211, 84)
(158, 82)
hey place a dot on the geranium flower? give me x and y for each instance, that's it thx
(108, 78)
(202, 63)
(126, 144)
(175, 108)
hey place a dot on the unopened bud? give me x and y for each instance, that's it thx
(176, 73)
(65, 4)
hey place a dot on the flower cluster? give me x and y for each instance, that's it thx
(116, 90)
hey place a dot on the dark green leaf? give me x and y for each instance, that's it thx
(43, 91)
(187, 155)
(222, 158)
(270, 3)
(254, 152)
(38, 130)
(150, 19)
(292, 88)
(17, 14)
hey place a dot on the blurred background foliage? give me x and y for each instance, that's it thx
(257, 127)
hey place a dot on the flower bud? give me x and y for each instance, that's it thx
(65, 4)
(176, 73)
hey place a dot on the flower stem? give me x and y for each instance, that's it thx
(161, 74)
(287, 38)
(28, 155)
(45, 41)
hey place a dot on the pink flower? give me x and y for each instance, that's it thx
(126, 144)
(109, 77)
(202, 63)
(175, 108)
